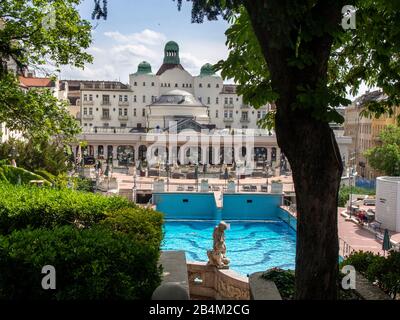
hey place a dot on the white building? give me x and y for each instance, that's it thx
(388, 202)
(137, 105)
(118, 119)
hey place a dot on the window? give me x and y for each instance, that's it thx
(144, 99)
(84, 111)
(123, 125)
(217, 86)
(200, 99)
(258, 114)
(216, 113)
(144, 84)
(143, 112)
(245, 115)
(90, 97)
(134, 112)
(244, 127)
(176, 85)
(264, 113)
(209, 85)
(230, 100)
(120, 98)
(85, 97)
(208, 100)
(120, 112)
(134, 98)
(226, 100)
(135, 83)
(162, 85)
(106, 113)
(126, 98)
(152, 84)
(105, 124)
(216, 100)
(90, 111)
(200, 85)
(230, 114)
(106, 99)
(85, 124)
(226, 113)
(125, 112)
(190, 85)
(169, 84)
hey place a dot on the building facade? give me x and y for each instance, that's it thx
(122, 121)
(365, 131)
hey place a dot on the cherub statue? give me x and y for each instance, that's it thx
(217, 256)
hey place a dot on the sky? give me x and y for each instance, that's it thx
(137, 30)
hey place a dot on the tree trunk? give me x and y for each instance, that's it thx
(308, 143)
(316, 165)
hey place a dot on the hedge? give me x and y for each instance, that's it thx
(19, 175)
(94, 263)
(30, 206)
(383, 271)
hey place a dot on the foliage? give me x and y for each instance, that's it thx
(378, 269)
(38, 154)
(344, 194)
(284, 281)
(95, 264)
(386, 157)
(83, 184)
(130, 221)
(36, 33)
(24, 206)
(20, 176)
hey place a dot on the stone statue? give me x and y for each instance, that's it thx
(217, 256)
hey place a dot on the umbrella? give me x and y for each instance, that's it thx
(386, 245)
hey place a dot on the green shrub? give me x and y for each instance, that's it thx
(83, 184)
(284, 281)
(130, 221)
(344, 194)
(23, 206)
(46, 175)
(20, 175)
(385, 272)
(94, 263)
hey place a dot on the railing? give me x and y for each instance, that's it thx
(87, 102)
(344, 248)
(228, 105)
(88, 117)
(244, 120)
(244, 106)
(106, 103)
(105, 117)
(122, 117)
(123, 103)
(228, 119)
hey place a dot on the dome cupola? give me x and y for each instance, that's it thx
(144, 68)
(171, 53)
(207, 70)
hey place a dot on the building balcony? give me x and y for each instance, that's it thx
(244, 120)
(123, 118)
(105, 117)
(244, 106)
(123, 103)
(87, 103)
(228, 119)
(106, 103)
(228, 105)
(87, 117)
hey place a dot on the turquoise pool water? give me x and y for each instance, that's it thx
(251, 246)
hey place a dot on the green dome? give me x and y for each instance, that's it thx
(171, 53)
(144, 68)
(207, 70)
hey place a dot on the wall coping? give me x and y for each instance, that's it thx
(261, 289)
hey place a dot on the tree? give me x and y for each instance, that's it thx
(386, 157)
(296, 54)
(35, 33)
(304, 61)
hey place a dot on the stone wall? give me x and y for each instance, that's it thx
(209, 282)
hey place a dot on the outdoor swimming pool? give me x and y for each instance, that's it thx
(251, 245)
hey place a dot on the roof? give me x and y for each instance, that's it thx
(95, 84)
(167, 66)
(376, 95)
(178, 97)
(207, 70)
(143, 68)
(36, 82)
